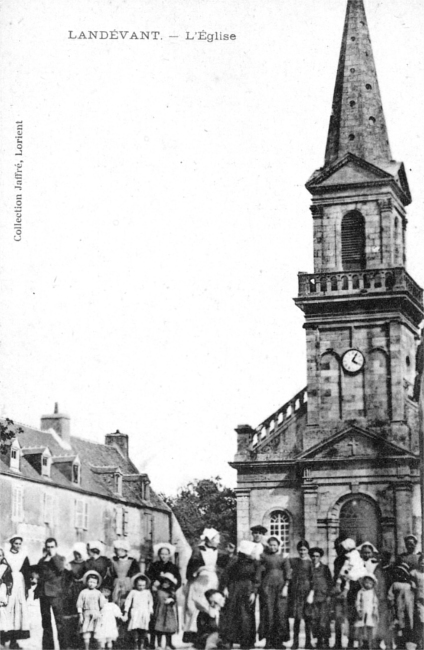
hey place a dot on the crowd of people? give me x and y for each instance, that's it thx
(230, 597)
(89, 600)
(375, 598)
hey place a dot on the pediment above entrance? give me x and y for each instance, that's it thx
(354, 442)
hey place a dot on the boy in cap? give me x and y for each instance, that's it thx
(411, 556)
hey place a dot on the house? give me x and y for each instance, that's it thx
(73, 489)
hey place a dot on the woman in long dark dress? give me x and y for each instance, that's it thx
(73, 584)
(300, 593)
(322, 583)
(274, 576)
(164, 564)
(240, 579)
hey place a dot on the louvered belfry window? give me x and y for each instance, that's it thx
(353, 241)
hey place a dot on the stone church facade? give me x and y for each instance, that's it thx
(342, 457)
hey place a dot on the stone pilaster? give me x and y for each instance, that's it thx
(403, 512)
(396, 372)
(243, 513)
(417, 513)
(310, 511)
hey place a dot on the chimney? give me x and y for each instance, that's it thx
(59, 422)
(119, 441)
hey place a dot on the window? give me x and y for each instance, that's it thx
(17, 503)
(125, 522)
(76, 473)
(45, 465)
(15, 455)
(353, 241)
(279, 526)
(81, 514)
(117, 484)
(48, 508)
(360, 520)
(119, 520)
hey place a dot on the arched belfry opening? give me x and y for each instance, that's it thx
(353, 241)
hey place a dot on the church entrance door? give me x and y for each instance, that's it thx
(360, 520)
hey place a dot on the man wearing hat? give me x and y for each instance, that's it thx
(52, 566)
(258, 532)
(411, 557)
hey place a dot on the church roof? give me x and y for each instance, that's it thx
(357, 122)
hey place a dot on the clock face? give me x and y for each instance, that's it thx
(353, 361)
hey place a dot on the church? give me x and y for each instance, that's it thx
(342, 456)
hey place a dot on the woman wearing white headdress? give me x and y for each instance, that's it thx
(17, 606)
(164, 554)
(201, 575)
(123, 569)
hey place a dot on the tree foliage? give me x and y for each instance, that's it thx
(205, 503)
(8, 431)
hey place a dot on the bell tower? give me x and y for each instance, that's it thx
(362, 308)
(342, 456)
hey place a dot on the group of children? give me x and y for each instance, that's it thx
(144, 611)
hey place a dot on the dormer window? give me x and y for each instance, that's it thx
(76, 472)
(15, 456)
(117, 483)
(46, 462)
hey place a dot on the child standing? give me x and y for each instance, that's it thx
(418, 585)
(367, 610)
(139, 609)
(166, 616)
(106, 629)
(89, 605)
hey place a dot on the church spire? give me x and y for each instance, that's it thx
(357, 123)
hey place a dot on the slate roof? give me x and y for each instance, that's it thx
(97, 464)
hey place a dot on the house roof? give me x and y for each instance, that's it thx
(93, 456)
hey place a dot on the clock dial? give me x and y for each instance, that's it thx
(353, 361)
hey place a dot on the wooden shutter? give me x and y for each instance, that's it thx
(353, 241)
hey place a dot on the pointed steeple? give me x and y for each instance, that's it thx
(357, 123)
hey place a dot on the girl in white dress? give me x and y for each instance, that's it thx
(106, 629)
(89, 605)
(139, 609)
(367, 611)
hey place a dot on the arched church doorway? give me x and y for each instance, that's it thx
(359, 519)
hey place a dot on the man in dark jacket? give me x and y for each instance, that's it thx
(51, 568)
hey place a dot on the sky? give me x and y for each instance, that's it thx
(165, 216)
